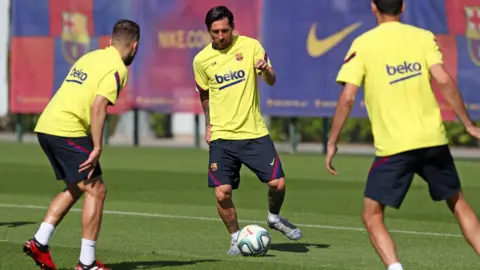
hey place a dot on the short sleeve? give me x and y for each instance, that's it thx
(353, 68)
(433, 53)
(111, 85)
(260, 53)
(201, 79)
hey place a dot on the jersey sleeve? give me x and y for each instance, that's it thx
(353, 68)
(201, 79)
(260, 53)
(433, 54)
(111, 85)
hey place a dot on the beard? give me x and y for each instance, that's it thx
(129, 60)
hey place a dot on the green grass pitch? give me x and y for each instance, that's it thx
(160, 214)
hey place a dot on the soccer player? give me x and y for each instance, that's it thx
(226, 75)
(394, 62)
(70, 132)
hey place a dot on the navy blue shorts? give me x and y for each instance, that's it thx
(390, 177)
(66, 155)
(227, 156)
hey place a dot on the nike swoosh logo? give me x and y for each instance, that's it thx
(273, 161)
(318, 47)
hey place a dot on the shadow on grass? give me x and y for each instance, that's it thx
(296, 247)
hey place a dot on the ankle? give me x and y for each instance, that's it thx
(234, 236)
(395, 266)
(87, 253)
(44, 233)
(273, 217)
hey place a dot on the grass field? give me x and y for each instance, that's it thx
(161, 214)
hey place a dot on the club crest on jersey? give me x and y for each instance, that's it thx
(213, 167)
(472, 14)
(239, 56)
(75, 37)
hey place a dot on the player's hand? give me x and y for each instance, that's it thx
(261, 65)
(91, 162)
(474, 131)
(208, 134)
(331, 152)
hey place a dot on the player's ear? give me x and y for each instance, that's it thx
(110, 42)
(403, 7)
(374, 7)
(135, 45)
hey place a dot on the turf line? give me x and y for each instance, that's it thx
(318, 226)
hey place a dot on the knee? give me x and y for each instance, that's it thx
(74, 191)
(277, 184)
(101, 193)
(372, 213)
(223, 193)
(96, 188)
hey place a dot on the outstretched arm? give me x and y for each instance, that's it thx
(451, 93)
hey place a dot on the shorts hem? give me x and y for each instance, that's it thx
(271, 179)
(215, 186)
(79, 179)
(385, 202)
(448, 195)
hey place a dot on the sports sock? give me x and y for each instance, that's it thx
(44, 233)
(87, 253)
(395, 266)
(273, 217)
(235, 236)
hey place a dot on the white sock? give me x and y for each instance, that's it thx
(87, 253)
(44, 233)
(273, 217)
(235, 236)
(395, 266)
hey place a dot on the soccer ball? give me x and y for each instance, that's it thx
(254, 240)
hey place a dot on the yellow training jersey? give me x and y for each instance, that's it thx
(392, 63)
(100, 72)
(232, 81)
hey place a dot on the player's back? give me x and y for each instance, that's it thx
(68, 112)
(401, 104)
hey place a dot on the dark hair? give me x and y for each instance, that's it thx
(125, 31)
(218, 13)
(390, 7)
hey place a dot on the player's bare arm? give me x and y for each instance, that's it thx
(266, 71)
(99, 114)
(342, 112)
(454, 97)
(204, 98)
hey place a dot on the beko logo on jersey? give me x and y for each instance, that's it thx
(234, 77)
(77, 76)
(406, 70)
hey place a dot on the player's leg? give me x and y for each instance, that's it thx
(467, 220)
(261, 157)
(441, 175)
(388, 182)
(38, 246)
(224, 177)
(94, 190)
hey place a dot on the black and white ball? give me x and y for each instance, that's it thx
(254, 240)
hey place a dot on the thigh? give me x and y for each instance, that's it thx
(439, 171)
(47, 149)
(390, 178)
(261, 157)
(224, 166)
(68, 154)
